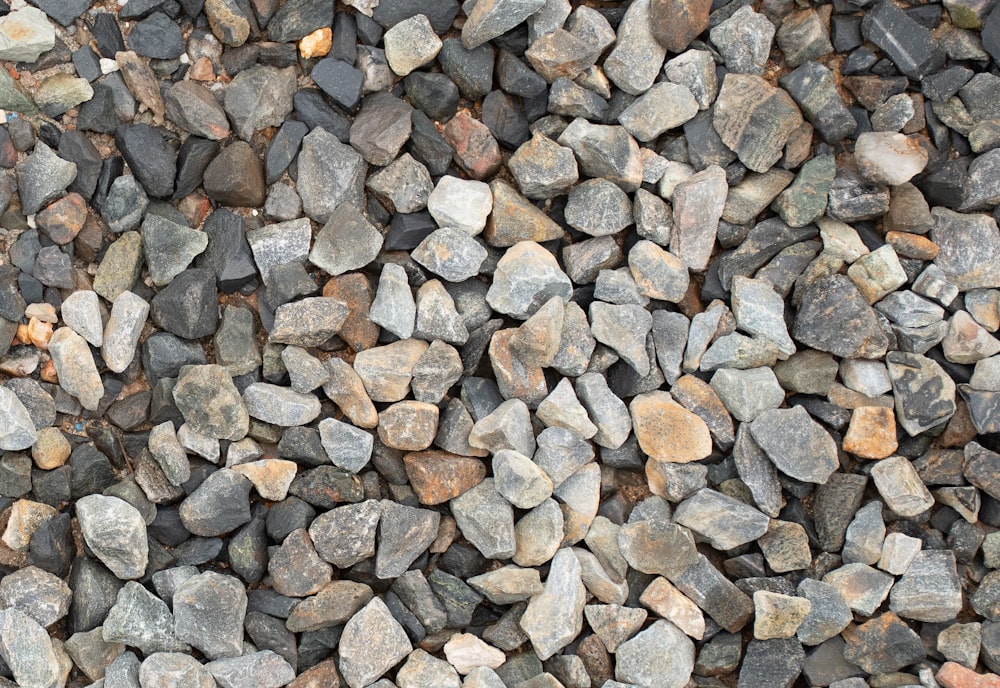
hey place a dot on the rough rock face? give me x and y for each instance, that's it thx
(534, 343)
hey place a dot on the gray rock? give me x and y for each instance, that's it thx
(492, 18)
(347, 447)
(281, 406)
(924, 393)
(81, 312)
(486, 520)
(394, 307)
(42, 177)
(744, 41)
(172, 670)
(194, 108)
(141, 620)
(748, 393)
(864, 537)
(526, 277)
(969, 248)
(372, 643)
(309, 322)
(259, 97)
(305, 371)
(116, 532)
(827, 617)
(125, 204)
(39, 594)
(208, 614)
(850, 330)
(404, 533)
(25, 34)
(930, 590)
(263, 669)
(661, 656)
(330, 173)
(624, 329)
(460, 203)
(598, 207)
(725, 522)
(405, 182)
(543, 168)
(168, 452)
(121, 335)
(663, 107)
(637, 57)
(347, 242)
(450, 253)
(519, 480)
(901, 487)
(346, 535)
(278, 244)
(27, 649)
(554, 617)
(797, 445)
(699, 202)
(437, 317)
(603, 151)
(210, 402)
(805, 200)
(236, 342)
(411, 44)
(17, 431)
(863, 587)
(381, 128)
(219, 505)
(295, 568)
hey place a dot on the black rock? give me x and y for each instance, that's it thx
(248, 551)
(236, 177)
(312, 109)
(845, 33)
(63, 11)
(340, 81)
(344, 44)
(87, 63)
(433, 93)
(517, 78)
(158, 37)
(188, 307)
(52, 548)
(771, 663)
(95, 590)
(152, 160)
(946, 83)
(219, 505)
(440, 13)
(167, 527)
(813, 87)
(138, 9)
(24, 251)
(408, 230)
(505, 118)
(31, 289)
(286, 516)
(278, 55)
(76, 147)
(192, 161)
(302, 444)
(327, 486)
(282, 149)
(269, 633)
(428, 146)
(471, 70)
(98, 114)
(298, 18)
(228, 255)
(369, 31)
(12, 304)
(106, 33)
(92, 471)
(909, 45)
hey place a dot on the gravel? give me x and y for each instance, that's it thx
(514, 343)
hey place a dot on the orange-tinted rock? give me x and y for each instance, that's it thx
(355, 292)
(316, 44)
(64, 219)
(872, 433)
(438, 476)
(667, 431)
(954, 675)
(202, 69)
(408, 425)
(39, 333)
(912, 245)
(476, 150)
(323, 675)
(515, 379)
(675, 23)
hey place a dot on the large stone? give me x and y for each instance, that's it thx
(755, 119)
(372, 642)
(210, 402)
(554, 617)
(661, 656)
(330, 173)
(797, 445)
(116, 532)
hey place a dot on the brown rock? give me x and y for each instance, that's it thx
(439, 476)
(476, 151)
(667, 431)
(872, 433)
(515, 379)
(515, 218)
(675, 23)
(323, 675)
(236, 177)
(596, 660)
(202, 69)
(355, 291)
(64, 219)
(141, 82)
(408, 425)
(954, 675)
(912, 245)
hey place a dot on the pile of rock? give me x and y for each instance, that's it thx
(528, 343)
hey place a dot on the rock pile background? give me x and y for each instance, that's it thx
(527, 343)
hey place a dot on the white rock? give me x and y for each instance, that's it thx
(466, 652)
(461, 203)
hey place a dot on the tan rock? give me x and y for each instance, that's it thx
(465, 652)
(51, 450)
(663, 599)
(777, 615)
(26, 517)
(271, 477)
(316, 44)
(872, 433)
(667, 431)
(408, 425)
